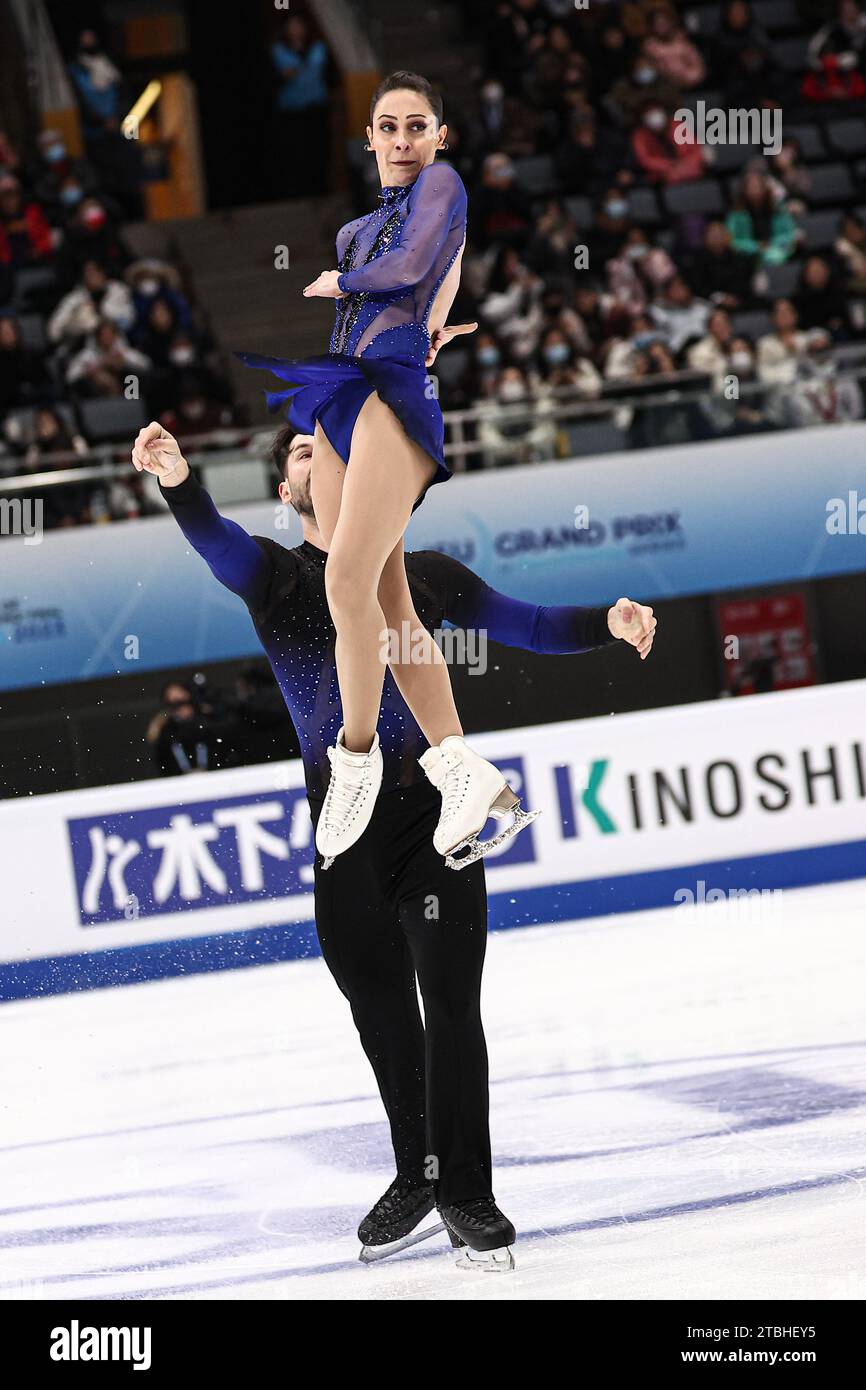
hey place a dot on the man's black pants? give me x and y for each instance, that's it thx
(387, 910)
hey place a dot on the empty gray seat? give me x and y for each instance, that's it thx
(581, 210)
(821, 228)
(30, 280)
(782, 280)
(830, 183)
(701, 195)
(810, 140)
(32, 332)
(535, 173)
(791, 54)
(751, 323)
(706, 20)
(595, 437)
(643, 207)
(847, 137)
(112, 418)
(776, 14)
(724, 158)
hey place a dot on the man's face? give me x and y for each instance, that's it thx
(178, 702)
(295, 491)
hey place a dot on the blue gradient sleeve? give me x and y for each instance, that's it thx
(438, 195)
(232, 555)
(551, 628)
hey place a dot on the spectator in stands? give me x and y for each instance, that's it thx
(91, 235)
(54, 446)
(821, 298)
(818, 394)
(23, 376)
(610, 228)
(591, 158)
(10, 159)
(516, 34)
(97, 82)
(789, 177)
(60, 180)
(25, 236)
(759, 226)
(671, 52)
(551, 248)
(749, 416)
(627, 97)
(515, 437)
(303, 121)
(151, 279)
(591, 312)
(197, 413)
(851, 250)
(191, 733)
(502, 212)
(679, 314)
(835, 57)
(720, 274)
(611, 56)
(155, 335)
(779, 351)
(104, 363)
(662, 157)
(481, 376)
(754, 77)
(739, 31)
(638, 272)
(559, 366)
(97, 297)
(712, 353)
(512, 305)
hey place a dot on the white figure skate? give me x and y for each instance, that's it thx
(351, 796)
(472, 790)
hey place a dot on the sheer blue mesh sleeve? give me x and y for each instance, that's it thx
(436, 203)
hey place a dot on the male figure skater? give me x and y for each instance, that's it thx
(389, 908)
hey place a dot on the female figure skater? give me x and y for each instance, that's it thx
(378, 446)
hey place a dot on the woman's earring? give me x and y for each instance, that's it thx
(368, 147)
(445, 146)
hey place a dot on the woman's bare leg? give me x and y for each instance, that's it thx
(429, 697)
(372, 500)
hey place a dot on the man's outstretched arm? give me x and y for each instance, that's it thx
(233, 556)
(552, 628)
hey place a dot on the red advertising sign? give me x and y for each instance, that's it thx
(767, 643)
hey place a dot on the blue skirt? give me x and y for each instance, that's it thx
(332, 389)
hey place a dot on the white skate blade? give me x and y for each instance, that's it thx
(499, 1261)
(478, 848)
(371, 1254)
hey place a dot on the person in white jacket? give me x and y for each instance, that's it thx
(97, 297)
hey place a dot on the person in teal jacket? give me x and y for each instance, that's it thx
(759, 226)
(300, 63)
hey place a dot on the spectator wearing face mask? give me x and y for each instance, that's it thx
(25, 236)
(511, 436)
(91, 235)
(558, 366)
(638, 272)
(151, 279)
(749, 414)
(679, 313)
(97, 297)
(760, 227)
(97, 83)
(659, 154)
(671, 52)
(502, 212)
(61, 180)
(629, 95)
(609, 229)
(819, 395)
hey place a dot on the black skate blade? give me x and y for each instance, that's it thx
(372, 1254)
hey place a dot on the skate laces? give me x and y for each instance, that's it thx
(453, 784)
(400, 1188)
(346, 785)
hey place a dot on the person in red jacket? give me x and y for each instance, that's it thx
(660, 156)
(25, 236)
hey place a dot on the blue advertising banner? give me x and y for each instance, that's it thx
(653, 524)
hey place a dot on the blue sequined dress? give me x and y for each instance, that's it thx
(392, 263)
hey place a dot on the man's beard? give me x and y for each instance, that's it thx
(303, 502)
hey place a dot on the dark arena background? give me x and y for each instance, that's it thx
(663, 400)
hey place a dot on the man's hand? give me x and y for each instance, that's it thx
(156, 451)
(443, 336)
(325, 286)
(634, 623)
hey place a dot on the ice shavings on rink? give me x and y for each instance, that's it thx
(678, 1104)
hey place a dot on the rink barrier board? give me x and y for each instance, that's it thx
(546, 906)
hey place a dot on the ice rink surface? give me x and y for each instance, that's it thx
(678, 1108)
